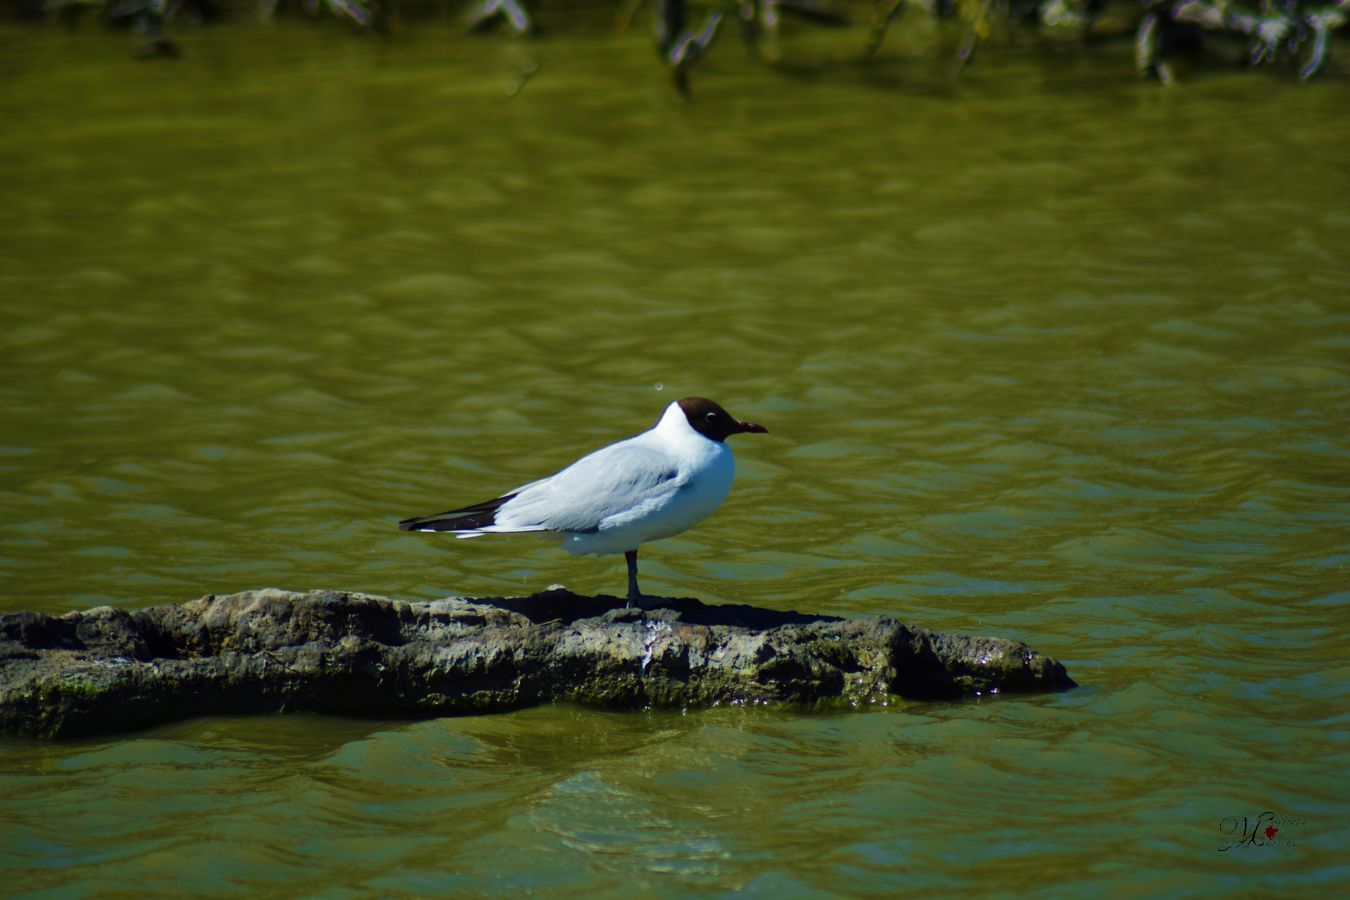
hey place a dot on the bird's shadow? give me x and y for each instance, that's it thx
(561, 605)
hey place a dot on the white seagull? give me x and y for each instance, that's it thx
(650, 486)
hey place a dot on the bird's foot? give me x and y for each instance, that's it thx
(647, 602)
(626, 614)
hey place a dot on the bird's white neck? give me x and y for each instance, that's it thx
(674, 426)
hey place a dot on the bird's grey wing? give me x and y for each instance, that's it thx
(608, 487)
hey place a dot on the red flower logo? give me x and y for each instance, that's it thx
(1270, 832)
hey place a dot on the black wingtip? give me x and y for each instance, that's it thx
(467, 519)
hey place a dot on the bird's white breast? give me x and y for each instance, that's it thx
(704, 471)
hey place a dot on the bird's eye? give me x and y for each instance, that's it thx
(710, 416)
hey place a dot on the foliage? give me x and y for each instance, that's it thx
(1299, 29)
(1272, 30)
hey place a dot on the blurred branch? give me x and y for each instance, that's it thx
(1296, 31)
(680, 47)
(1290, 26)
(487, 14)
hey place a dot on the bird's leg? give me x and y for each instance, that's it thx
(633, 593)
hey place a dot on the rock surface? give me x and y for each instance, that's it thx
(109, 670)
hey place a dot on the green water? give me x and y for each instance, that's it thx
(1048, 354)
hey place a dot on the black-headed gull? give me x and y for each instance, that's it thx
(650, 486)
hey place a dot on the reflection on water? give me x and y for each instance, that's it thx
(1051, 355)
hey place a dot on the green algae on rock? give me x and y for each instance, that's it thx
(110, 670)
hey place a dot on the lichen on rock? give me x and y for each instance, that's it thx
(108, 670)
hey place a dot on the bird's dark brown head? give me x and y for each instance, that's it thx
(714, 422)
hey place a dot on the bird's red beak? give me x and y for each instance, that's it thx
(751, 428)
